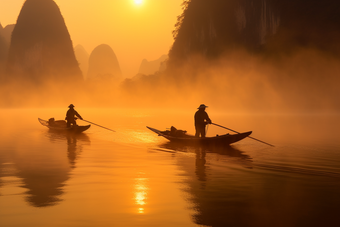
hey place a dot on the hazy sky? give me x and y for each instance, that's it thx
(134, 31)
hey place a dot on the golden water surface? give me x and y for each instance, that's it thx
(132, 177)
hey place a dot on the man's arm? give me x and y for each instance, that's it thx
(208, 119)
(78, 115)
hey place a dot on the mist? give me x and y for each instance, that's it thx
(270, 65)
(304, 81)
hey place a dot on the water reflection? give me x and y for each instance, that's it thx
(44, 170)
(75, 143)
(217, 197)
(141, 193)
(44, 189)
(2, 173)
(224, 152)
(224, 194)
(200, 165)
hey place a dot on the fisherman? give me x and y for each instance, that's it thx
(201, 120)
(70, 116)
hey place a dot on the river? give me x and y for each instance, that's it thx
(132, 177)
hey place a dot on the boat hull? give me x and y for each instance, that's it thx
(73, 129)
(226, 139)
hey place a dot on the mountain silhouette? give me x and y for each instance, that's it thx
(150, 67)
(103, 65)
(3, 50)
(3, 44)
(82, 57)
(8, 32)
(41, 48)
(213, 27)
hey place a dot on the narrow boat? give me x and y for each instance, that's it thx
(60, 126)
(180, 136)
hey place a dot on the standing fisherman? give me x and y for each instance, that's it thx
(70, 116)
(201, 120)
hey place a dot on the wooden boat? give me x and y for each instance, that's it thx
(60, 126)
(180, 136)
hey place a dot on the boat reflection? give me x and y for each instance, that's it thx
(44, 169)
(75, 143)
(224, 152)
(214, 190)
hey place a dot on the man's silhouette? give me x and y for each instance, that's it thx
(70, 116)
(201, 120)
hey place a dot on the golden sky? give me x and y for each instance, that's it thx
(134, 31)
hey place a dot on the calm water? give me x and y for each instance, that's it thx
(132, 177)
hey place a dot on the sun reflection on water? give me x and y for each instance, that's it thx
(144, 137)
(141, 193)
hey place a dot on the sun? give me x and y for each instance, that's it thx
(138, 2)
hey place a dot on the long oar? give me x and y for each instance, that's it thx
(248, 136)
(98, 125)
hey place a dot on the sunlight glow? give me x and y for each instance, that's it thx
(138, 2)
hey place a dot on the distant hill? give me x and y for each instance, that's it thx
(103, 65)
(213, 27)
(82, 57)
(3, 44)
(3, 50)
(8, 30)
(41, 48)
(150, 67)
(5, 39)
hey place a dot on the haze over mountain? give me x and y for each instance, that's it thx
(150, 67)
(3, 44)
(103, 65)
(41, 48)
(8, 30)
(82, 57)
(213, 27)
(251, 55)
(3, 50)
